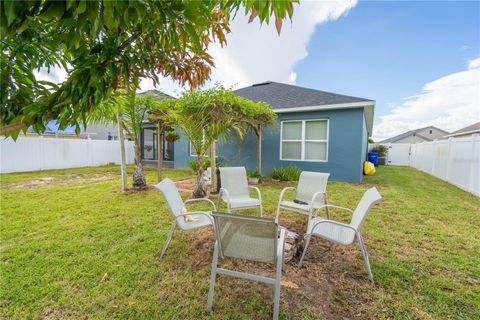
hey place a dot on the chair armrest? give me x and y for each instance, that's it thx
(259, 195)
(312, 203)
(202, 199)
(336, 207)
(283, 192)
(224, 192)
(334, 222)
(195, 213)
(280, 200)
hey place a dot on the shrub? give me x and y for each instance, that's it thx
(172, 136)
(381, 149)
(193, 164)
(254, 174)
(290, 173)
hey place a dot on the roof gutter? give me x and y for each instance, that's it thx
(326, 107)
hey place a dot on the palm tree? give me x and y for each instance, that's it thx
(135, 110)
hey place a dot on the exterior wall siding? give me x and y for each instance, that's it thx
(347, 146)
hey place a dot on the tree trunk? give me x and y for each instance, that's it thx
(121, 138)
(138, 175)
(213, 168)
(200, 187)
(159, 153)
(258, 132)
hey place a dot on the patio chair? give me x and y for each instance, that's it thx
(249, 238)
(341, 233)
(176, 206)
(310, 195)
(235, 190)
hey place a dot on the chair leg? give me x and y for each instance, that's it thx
(326, 203)
(278, 280)
(165, 246)
(261, 210)
(365, 258)
(212, 278)
(307, 241)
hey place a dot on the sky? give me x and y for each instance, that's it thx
(420, 61)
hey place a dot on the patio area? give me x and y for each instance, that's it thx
(75, 246)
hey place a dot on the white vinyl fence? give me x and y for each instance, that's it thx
(31, 154)
(456, 160)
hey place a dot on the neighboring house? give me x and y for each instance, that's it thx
(419, 135)
(94, 132)
(465, 132)
(315, 130)
(52, 130)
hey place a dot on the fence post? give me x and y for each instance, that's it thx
(449, 159)
(472, 163)
(435, 145)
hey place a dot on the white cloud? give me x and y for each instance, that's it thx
(256, 53)
(475, 63)
(449, 103)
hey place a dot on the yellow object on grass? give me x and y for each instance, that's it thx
(369, 168)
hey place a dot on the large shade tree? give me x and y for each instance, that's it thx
(105, 45)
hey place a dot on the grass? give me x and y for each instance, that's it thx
(74, 246)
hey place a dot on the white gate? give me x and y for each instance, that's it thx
(398, 154)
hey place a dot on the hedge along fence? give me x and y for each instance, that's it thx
(32, 154)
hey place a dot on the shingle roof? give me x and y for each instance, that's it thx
(469, 129)
(282, 96)
(156, 94)
(411, 132)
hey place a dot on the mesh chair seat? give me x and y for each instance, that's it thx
(332, 232)
(203, 221)
(293, 205)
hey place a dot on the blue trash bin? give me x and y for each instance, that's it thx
(373, 158)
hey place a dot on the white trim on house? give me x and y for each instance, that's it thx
(326, 107)
(303, 140)
(367, 105)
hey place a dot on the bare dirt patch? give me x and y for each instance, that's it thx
(331, 283)
(69, 180)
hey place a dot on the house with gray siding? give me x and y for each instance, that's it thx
(315, 130)
(429, 133)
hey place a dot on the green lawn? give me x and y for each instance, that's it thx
(74, 246)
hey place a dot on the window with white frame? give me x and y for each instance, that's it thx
(304, 140)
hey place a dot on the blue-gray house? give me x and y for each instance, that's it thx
(315, 130)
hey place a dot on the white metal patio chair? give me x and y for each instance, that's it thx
(341, 233)
(234, 190)
(250, 238)
(310, 195)
(176, 205)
